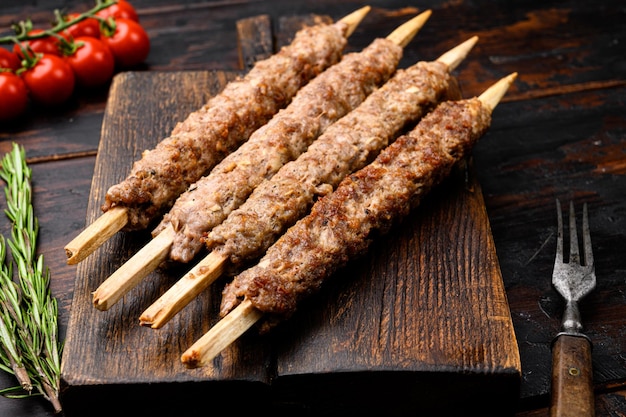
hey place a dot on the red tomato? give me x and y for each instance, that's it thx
(86, 27)
(46, 45)
(9, 60)
(93, 63)
(122, 9)
(129, 43)
(14, 96)
(50, 81)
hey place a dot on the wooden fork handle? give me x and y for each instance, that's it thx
(572, 377)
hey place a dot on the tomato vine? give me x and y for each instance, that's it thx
(89, 46)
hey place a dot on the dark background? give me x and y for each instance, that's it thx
(559, 133)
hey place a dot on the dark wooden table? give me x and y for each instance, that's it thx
(559, 133)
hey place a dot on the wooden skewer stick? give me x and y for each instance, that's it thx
(456, 55)
(184, 291)
(96, 234)
(149, 258)
(225, 332)
(245, 315)
(133, 271)
(404, 33)
(112, 221)
(354, 18)
(211, 267)
(492, 96)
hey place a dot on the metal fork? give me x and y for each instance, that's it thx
(572, 374)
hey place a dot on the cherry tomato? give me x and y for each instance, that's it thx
(45, 45)
(9, 60)
(14, 96)
(93, 63)
(122, 9)
(129, 43)
(50, 81)
(86, 27)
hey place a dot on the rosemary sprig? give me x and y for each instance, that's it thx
(28, 312)
(10, 318)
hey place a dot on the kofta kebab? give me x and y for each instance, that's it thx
(324, 100)
(297, 168)
(341, 224)
(344, 147)
(207, 135)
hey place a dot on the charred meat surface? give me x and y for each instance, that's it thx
(347, 145)
(288, 134)
(342, 224)
(203, 139)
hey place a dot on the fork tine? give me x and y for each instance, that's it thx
(571, 350)
(587, 238)
(559, 234)
(574, 254)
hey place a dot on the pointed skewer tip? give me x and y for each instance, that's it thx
(403, 34)
(354, 18)
(456, 55)
(492, 96)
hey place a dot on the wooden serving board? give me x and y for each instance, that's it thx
(421, 324)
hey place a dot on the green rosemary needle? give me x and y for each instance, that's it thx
(28, 322)
(10, 317)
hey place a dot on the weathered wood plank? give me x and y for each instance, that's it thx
(124, 138)
(109, 348)
(422, 312)
(255, 40)
(563, 47)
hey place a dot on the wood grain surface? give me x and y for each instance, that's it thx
(424, 311)
(560, 133)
